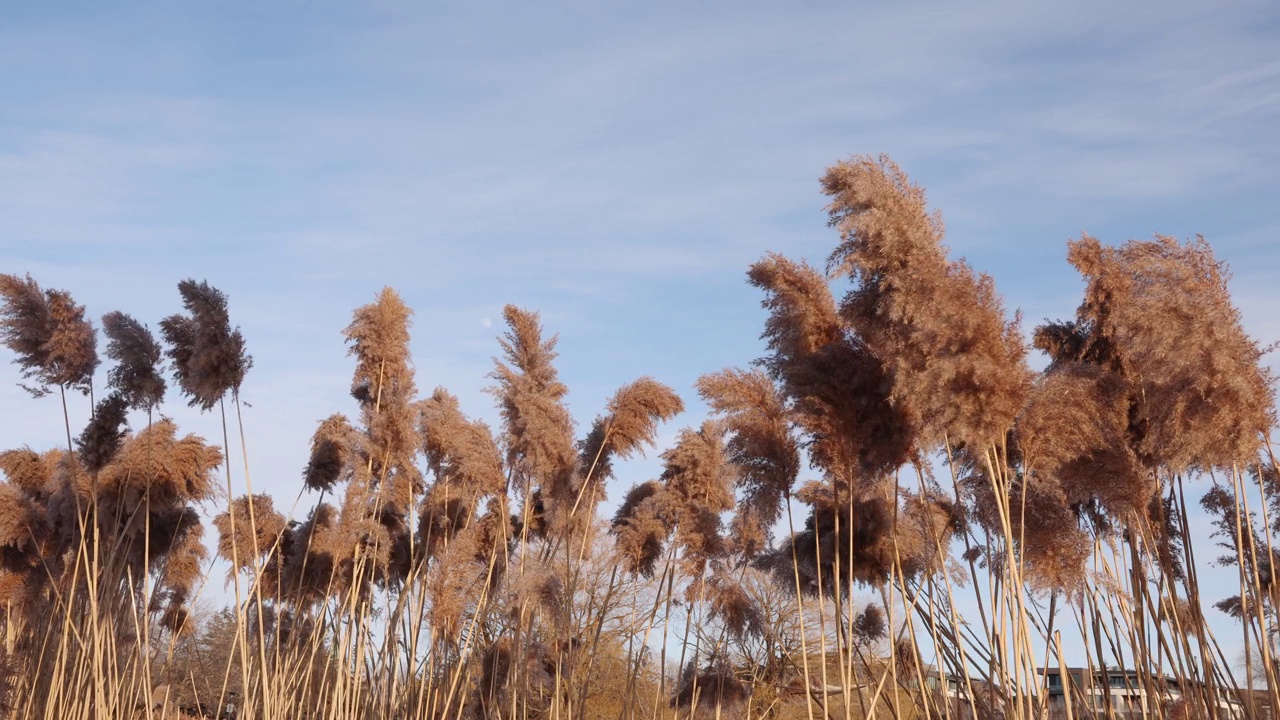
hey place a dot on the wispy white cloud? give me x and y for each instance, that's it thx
(587, 155)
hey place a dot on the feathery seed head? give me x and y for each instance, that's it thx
(208, 356)
(1159, 314)
(22, 522)
(55, 344)
(28, 470)
(762, 446)
(157, 465)
(714, 690)
(537, 430)
(244, 545)
(103, 436)
(731, 605)
(460, 452)
(956, 365)
(25, 324)
(379, 338)
(137, 355)
(331, 451)
(71, 351)
(632, 422)
(640, 529)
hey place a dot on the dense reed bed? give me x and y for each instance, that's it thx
(887, 504)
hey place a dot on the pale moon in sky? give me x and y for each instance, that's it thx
(486, 322)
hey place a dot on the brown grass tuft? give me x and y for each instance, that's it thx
(25, 324)
(838, 389)
(184, 556)
(712, 691)
(71, 352)
(379, 338)
(310, 558)
(731, 604)
(22, 524)
(870, 625)
(632, 421)
(460, 452)
(698, 479)
(802, 313)
(1068, 435)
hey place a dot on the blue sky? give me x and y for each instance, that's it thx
(615, 166)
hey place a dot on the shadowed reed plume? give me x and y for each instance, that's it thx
(836, 385)
(762, 446)
(332, 448)
(697, 479)
(640, 528)
(208, 357)
(137, 371)
(102, 437)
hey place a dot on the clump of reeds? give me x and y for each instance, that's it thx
(101, 538)
(711, 690)
(891, 442)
